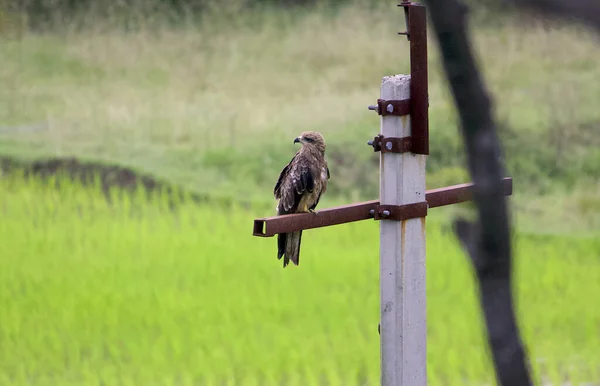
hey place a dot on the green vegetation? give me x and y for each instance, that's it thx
(214, 105)
(132, 294)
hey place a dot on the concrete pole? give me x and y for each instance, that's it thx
(402, 255)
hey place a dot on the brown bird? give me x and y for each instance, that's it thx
(299, 188)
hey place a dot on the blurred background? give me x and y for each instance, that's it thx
(204, 98)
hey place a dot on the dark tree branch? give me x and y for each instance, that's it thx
(487, 242)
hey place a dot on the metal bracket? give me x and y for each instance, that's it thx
(391, 144)
(392, 107)
(400, 212)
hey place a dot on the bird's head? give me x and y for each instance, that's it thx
(311, 140)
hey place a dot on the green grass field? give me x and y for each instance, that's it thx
(132, 294)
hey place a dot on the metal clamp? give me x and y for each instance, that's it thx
(392, 107)
(400, 212)
(391, 144)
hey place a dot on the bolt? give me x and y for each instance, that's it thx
(370, 143)
(388, 145)
(373, 107)
(386, 213)
(390, 108)
(372, 212)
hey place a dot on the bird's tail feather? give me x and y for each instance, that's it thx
(281, 238)
(288, 246)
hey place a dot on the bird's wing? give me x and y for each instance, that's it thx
(294, 180)
(282, 177)
(314, 206)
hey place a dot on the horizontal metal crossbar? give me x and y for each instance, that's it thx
(400, 212)
(270, 226)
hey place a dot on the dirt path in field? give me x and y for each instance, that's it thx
(111, 177)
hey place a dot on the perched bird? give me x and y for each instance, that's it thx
(299, 188)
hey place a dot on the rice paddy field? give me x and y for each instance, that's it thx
(134, 293)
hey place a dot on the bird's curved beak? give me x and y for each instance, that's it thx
(297, 140)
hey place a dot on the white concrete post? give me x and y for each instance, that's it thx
(402, 255)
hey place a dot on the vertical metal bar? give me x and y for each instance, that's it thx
(417, 28)
(402, 254)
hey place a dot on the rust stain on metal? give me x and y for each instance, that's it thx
(270, 226)
(393, 107)
(400, 212)
(391, 144)
(396, 145)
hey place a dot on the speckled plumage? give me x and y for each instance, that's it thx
(299, 188)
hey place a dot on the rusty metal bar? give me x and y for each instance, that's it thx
(458, 193)
(418, 104)
(419, 97)
(270, 226)
(400, 212)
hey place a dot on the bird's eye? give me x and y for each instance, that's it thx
(308, 139)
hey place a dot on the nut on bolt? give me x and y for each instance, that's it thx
(375, 143)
